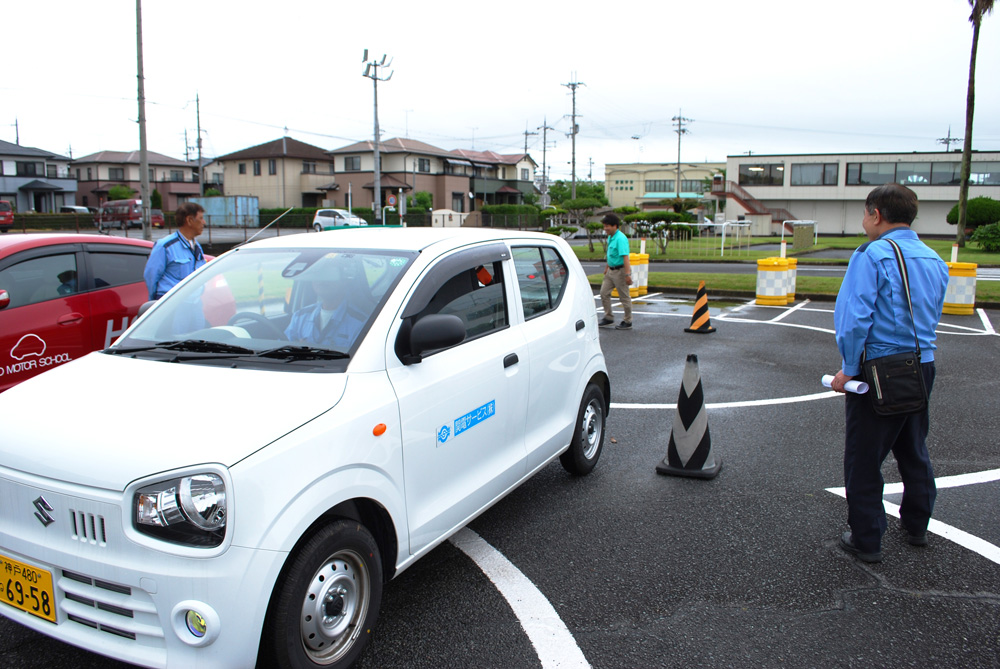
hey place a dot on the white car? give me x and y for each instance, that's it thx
(293, 425)
(327, 219)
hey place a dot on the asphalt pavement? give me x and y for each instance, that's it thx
(739, 571)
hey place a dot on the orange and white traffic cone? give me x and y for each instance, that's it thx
(700, 320)
(689, 452)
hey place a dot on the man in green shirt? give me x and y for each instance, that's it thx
(617, 274)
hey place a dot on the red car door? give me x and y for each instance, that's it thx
(45, 321)
(118, 290)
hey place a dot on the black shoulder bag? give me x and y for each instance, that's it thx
(896, 382)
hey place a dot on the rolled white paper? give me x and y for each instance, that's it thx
(856, 387)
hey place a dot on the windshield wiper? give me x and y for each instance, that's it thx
(192, 345)
(303, 353)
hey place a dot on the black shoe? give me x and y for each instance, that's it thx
(916, 539)
(606, 321)
(624, 325)
(847, 544)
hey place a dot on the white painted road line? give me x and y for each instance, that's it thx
(960, 537)
(552, 640)
(987, 325)
(735, 405)
(788, 311)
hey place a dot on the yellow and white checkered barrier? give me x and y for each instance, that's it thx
(772, 277)
(960, 297)
(790, 278)
(639, 271)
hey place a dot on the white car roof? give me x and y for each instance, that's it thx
(399, 239)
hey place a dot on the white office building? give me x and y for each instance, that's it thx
(831, 188)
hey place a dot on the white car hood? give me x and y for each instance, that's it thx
(106, 420)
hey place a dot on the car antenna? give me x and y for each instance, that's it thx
(263, 229)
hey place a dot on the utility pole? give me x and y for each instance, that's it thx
(147, 232)
(573, 85)
(526, 134)
(590, 172)
(371, 71)
(948, 140)
(197, 113)
(545, 175)
(679, 121)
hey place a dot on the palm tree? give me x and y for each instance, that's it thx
(980, 8)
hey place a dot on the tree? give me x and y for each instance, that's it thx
(980, 8)
(580, 208)
(120, 192)
(593, 228)
(156, 200)
(213, 192)
(422, 200)
(560, 192)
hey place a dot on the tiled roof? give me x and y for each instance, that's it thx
(398, 145)
(130, 158)
(8, 149)
(286, 147)
(491, 157)
(394, 145)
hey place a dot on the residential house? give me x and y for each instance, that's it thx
(211, 173)
(175, 179)
(831, 188)
(35, 180)
(459, 180)
(281, 173)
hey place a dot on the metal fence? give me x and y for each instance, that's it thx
(715, 239)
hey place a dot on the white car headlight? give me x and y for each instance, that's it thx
(189, 510)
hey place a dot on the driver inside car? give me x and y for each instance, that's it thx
(333, 321)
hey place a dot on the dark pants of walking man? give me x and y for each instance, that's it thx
(869, 440)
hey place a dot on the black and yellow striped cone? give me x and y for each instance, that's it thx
(690, 450)
(700, 321)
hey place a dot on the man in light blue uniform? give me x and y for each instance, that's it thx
(333, 321)
(177, 255)
(872, 318)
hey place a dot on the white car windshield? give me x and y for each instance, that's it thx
(276, 304)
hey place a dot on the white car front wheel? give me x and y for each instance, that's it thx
(327, 604)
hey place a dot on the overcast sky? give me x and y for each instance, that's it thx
(771, 76)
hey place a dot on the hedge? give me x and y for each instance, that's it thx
(979, 211)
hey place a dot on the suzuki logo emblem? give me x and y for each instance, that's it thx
(42, 514)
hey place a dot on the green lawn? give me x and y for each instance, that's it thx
(700, 250)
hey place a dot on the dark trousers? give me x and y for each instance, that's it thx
(869, 438)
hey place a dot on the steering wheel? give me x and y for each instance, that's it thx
(257, 318)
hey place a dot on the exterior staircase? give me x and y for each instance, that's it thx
(731, 189)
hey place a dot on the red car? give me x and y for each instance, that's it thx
(6, 216)
(62, 296)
